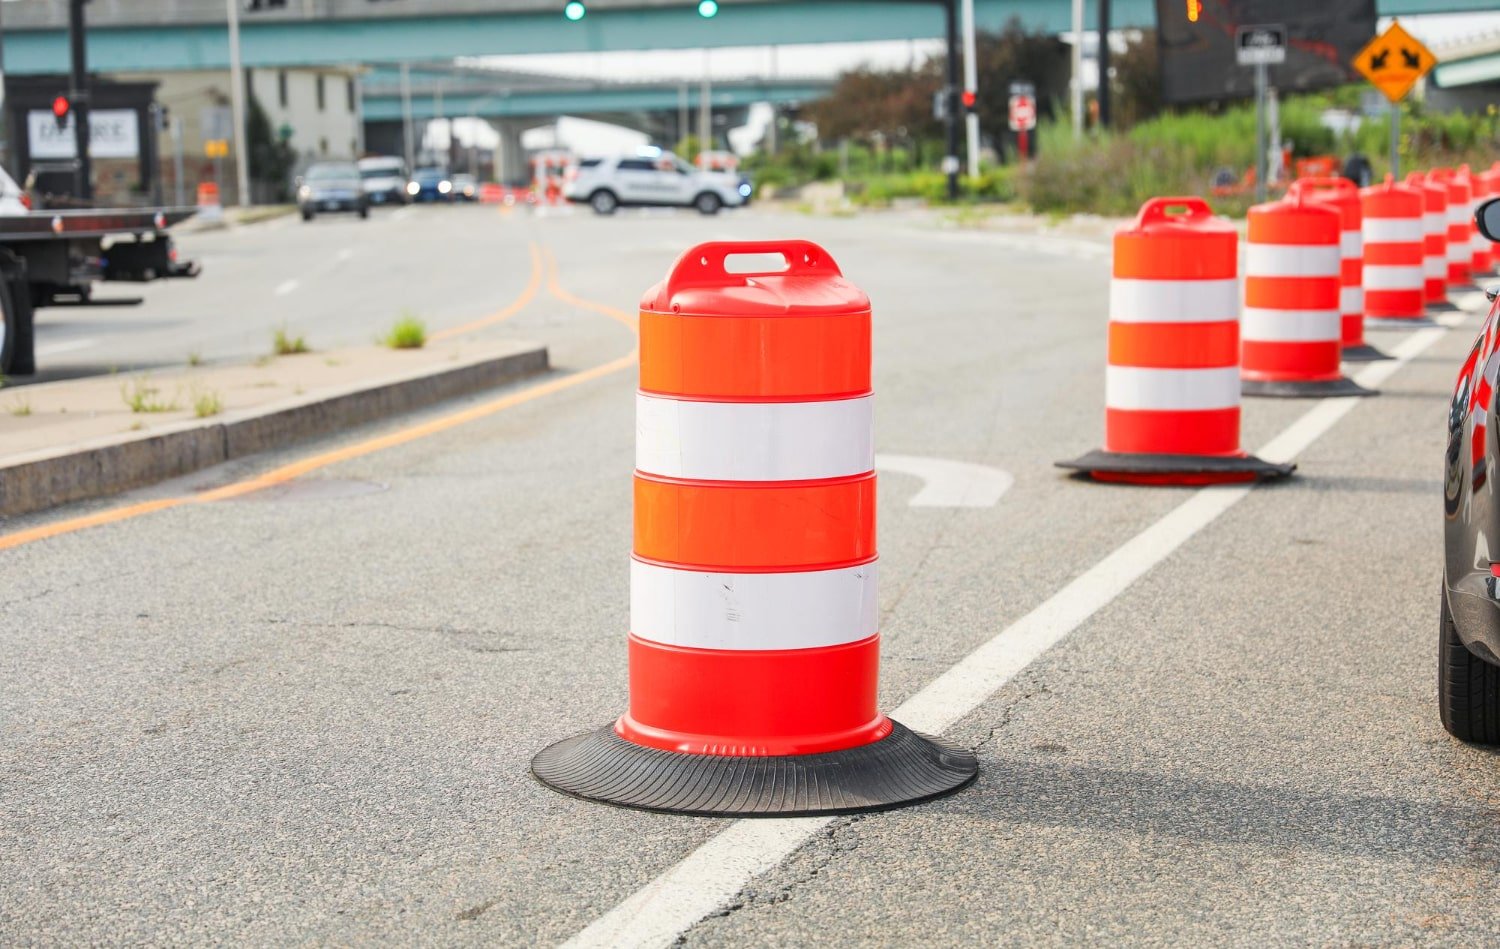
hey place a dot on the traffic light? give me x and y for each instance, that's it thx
(61, 107)
(574, 10)
(1194, 7)
(969, 98)
(708, 9)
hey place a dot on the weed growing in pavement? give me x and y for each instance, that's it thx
(285, 344)
(207, 402)
(20, 408)
(141, 396)
(195, 358)
(408, 333)
(262, 362)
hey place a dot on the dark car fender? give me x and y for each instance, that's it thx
(1471, 529)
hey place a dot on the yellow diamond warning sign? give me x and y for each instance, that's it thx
(1394, 61)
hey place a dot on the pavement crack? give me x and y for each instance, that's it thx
(479, 909)
(1006, 714)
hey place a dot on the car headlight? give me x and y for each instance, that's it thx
(468, 191)
(304, 192)
(413, 189)
(444, 187)
(744, 190)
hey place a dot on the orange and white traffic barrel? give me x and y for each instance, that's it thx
(1393, 247)
(1492, 190)
(1291, 333)
(1342, 195)
(1434, 238)
(1481, 259)
(1460, 215)
(1172, 385)
(754, 642)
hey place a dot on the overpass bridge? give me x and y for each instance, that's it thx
(132, 35)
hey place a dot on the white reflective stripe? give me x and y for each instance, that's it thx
(1351, 244)
(1385, 277)
(1393, 230)
(1435, 223)
(754, 441)
(1130, 387)
(1291, 260)
(1435, 265)
(1299, 326)
(1173, 301)
(1459, 251)
(1352, 299)
(1479, 244)
(703, 610)
(1458, 214)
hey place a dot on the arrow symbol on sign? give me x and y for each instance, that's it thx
(949, 483)
(1377, 60)
(1413, 60)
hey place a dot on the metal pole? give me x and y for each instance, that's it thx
(406, 130)
(682, 115)
(950, 158)
(1396, 140)
(237, 104)
(78, 98)
(705, 109)
(971, 84)
(1260, 131)
(1104, 64)
(4, 109)
(1077, 89)
(177, 161)
(775, 115)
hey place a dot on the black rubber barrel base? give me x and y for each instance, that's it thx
(1364, 352)
(1164, 469)
(1304, 390)
(1438, 306)
(902, 768)
(1406, 323)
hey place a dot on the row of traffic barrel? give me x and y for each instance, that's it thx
(1188, 337)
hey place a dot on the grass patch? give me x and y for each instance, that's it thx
(207, 402)
(195, 358)
(283, 343)
(408, 333)
(141, 396)
(20, 408)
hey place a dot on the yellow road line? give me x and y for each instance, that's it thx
(533, 284)
(369, 446)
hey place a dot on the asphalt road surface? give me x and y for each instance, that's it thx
(305, 713)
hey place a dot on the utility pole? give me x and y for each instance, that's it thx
(950, 93)
(4, 122)
(406, 130)
(78, 99)
(683, 127)
(1077, 89)
(971, 84)
(705, 109)
(1260, 132)
(237, 106)
(1104, 64)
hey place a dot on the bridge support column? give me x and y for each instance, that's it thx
(510, 156)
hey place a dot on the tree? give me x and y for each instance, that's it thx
(1137, 81)
(889, 105)
(271, 159)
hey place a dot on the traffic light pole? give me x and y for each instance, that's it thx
(950, 160)
(237, 107)
(78, 100)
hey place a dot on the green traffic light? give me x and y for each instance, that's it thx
(708, 8)
(575, 10)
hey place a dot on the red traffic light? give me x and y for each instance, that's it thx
(969, 98)
(60, 107)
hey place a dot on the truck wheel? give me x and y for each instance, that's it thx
(707, 203)
(7, 330)
(1468, 687)
(18, 346)
(604, 202)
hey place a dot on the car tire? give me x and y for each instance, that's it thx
(1468, 687)
(604, 202)
(307, 215)
(708, 203)
(9, 327)
(364, 212)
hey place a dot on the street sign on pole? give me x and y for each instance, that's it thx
(1393, 62)
(1260, 45)
(1022, 115)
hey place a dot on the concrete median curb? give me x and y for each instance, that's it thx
(108, 465)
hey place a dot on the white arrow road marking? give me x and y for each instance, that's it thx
(949, 483)
(661, 911)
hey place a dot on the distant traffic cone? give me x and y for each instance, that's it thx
(1460, 218)
(1342, 195)
(1172, 386)
(1434, 240)
(1393, 239)
(754, 643)
(1291, 325)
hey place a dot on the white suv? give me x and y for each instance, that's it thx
(662, 180)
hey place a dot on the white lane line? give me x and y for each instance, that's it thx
(345, 253)
(290, 286)
(67, 346)
(661, 911)
(287, 286)
(947, 483)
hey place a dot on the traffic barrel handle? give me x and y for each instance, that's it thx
(1167, 209)
(1305, 186)
(704, 265)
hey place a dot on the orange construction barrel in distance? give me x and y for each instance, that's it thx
(1492, 190)
(754, 643)
(1393, 239)
(1290, 327)
(1460, 253)
(1342, 195)
(1479, 245)
(1172, 385)
(1434, 240)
